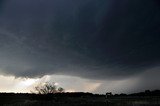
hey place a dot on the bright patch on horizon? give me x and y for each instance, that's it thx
(69, 83)
(28, 82)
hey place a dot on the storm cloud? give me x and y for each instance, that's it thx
(98, 39)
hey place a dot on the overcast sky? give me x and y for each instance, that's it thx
(103, 45)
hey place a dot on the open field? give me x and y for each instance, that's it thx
(134, 101)
(77, 99)
(51, 100)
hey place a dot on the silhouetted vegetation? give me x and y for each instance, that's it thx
(47, 88)
(147, 98)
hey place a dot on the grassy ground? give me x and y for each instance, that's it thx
(134, 101)
(74, 100)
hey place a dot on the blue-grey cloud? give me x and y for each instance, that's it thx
(91, 38)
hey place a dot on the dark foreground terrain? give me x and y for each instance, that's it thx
(81, 99)
(61, 99)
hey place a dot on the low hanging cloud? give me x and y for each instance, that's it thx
(92, 39)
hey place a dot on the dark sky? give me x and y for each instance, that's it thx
(94, 39)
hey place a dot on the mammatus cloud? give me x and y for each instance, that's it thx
(92, 39)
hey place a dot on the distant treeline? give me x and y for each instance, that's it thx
(71, 94)
(145, 93)
(79, 94)
(5, 96)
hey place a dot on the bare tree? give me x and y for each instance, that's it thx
(60, 89)
(48, 88)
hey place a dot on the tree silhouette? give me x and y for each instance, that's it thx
(60, 89)
(48, 88)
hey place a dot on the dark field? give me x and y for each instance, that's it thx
(66, 99)
(77, 99)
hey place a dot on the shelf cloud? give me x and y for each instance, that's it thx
(92, 39)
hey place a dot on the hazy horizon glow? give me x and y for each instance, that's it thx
(77, 84)
(25, 85)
